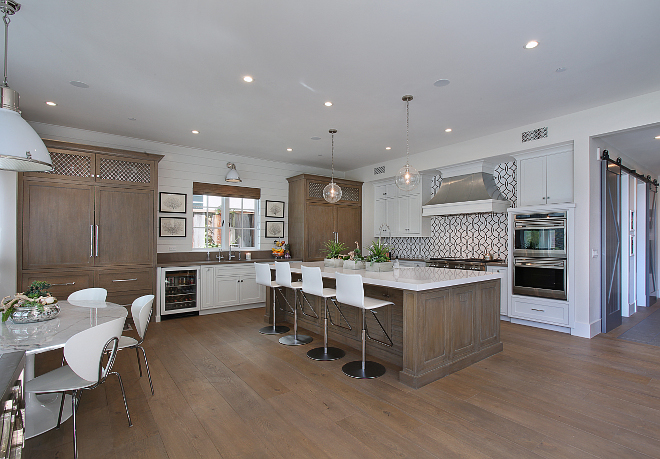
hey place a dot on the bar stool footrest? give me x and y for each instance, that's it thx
(277, 330)
(371, 369)
(319, 353)
(290, 340)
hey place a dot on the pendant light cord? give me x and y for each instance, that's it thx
(407, 131)
(6, 20)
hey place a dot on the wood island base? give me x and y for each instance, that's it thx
(434, 332)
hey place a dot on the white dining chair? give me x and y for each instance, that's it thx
(350, 290)
(88, 294)
(85, 353)
(141, 310)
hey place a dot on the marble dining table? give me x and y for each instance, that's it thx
(41, 411)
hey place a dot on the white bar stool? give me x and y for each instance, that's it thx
(351, 291)
(312, 283)
(263, 278)
(283, 278)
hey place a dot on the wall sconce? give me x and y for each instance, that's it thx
(232, 175)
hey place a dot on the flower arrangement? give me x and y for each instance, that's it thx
(378, 252)
(334, 249)
(36, 296)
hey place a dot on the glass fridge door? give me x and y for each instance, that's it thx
(180, 290)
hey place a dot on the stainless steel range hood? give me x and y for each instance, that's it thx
(467, 188)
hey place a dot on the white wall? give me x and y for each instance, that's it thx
(7, 233)
(578, 127)
(176, 173)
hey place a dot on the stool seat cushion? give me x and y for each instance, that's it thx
(329, 293)
(373, 303)
(296, 285)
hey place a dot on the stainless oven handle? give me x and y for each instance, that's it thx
(554, 225)
(541, 264)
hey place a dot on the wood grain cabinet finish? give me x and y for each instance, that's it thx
(434, 332)
(92, 216)
(313, 221)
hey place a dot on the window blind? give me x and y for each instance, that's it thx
(229, 191)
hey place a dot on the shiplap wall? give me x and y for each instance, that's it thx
(181, 166)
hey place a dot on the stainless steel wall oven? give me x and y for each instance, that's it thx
(540, 264)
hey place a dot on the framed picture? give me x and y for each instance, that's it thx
(275, 209)
(275, 229)
(172, 203)
(172, 227)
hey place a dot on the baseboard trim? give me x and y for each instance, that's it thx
(240, 307)
(585, 330)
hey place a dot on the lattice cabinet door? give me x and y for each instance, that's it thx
(125, 171)
(70, 164)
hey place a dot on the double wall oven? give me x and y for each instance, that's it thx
(540, 263)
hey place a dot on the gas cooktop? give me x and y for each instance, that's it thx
(474, 264)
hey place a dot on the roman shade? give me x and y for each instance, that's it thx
(228, 191)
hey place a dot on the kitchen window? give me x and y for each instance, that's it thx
(224, 215)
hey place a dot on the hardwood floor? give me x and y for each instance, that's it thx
(224, 390)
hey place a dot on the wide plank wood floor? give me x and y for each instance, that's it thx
(223, 391)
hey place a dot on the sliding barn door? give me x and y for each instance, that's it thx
(611, 246)
(651, 287)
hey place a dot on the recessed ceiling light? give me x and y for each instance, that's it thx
(657, 137)
(316, 138)
(52, 104)
(441, 83)
(388, 148)
(248, 79)
(132, 119)
(289, 149)
(195, 131)
(531, 44)
(448, 130)
(79, 84)
(560, 69)
(328, 104)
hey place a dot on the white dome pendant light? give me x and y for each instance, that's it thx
(407, 178)
(21, 148)
(332, 191)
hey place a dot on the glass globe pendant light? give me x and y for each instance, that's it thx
(21, 148)
(332, 191)
(407, 178)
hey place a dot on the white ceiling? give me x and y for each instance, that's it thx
(178, 66)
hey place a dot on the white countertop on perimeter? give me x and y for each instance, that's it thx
(416, 279)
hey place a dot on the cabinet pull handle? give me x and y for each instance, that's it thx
(539, 310)
(96, 240)
(68, 283)
(124, 280)
(91, 241)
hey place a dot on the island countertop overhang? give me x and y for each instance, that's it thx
(413, 279)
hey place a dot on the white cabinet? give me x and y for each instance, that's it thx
(540, 310)
(401, 211)
(230, 285)
(546, 176)
(504, 287)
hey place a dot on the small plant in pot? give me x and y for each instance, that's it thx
(354, 259)
(378, 259)
(333, 250)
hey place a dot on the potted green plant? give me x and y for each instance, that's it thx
(354, 259)
(378, 259)
(333, 250)
(36, 304)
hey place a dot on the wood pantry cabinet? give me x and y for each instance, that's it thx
(90, 222)
(314, 221)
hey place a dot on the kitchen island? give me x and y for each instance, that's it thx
(442, 320)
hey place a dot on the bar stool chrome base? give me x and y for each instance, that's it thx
(293, 340)
(274, 330)
(326, 354)
(371, 369)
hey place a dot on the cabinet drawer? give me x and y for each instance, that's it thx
(541, 312)
(126, 280)
(126, 299)
(63, 284)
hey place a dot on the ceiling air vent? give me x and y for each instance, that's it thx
(535, 134)
(379, 170)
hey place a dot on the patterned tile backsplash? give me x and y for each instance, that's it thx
(466, 235)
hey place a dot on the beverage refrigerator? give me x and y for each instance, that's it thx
(178, 290)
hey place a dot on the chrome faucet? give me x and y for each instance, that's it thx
(219, 256)
(230, 256)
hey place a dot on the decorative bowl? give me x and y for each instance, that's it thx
(382, 266)
(30, 314)
(353, 264)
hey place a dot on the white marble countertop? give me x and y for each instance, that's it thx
(52, 334)
(416, 279)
